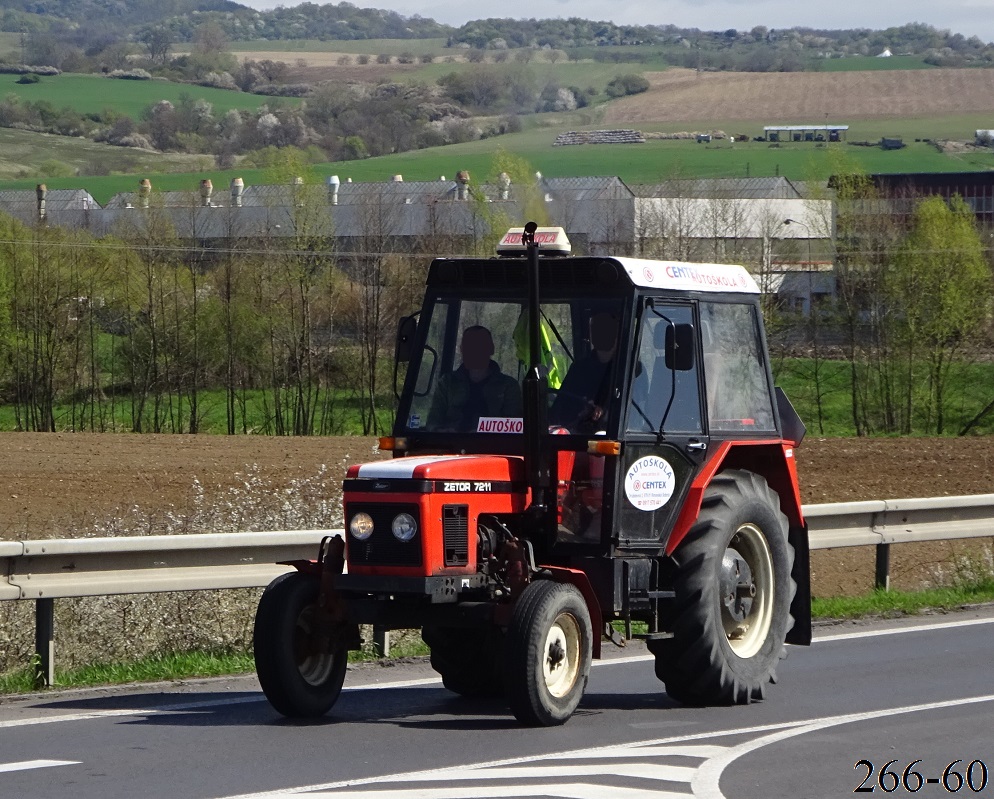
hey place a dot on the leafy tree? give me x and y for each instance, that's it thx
(942, 283)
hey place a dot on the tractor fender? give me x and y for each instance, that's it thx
(772, 459)
(562, 574)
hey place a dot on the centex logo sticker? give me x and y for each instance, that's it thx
(649, 483)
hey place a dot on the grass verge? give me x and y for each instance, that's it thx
(179, 666)
(903, 603)
(194, 665)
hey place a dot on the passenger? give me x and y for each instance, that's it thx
(582, 401)
(477, 388)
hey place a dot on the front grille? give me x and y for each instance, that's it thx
(381, 548)
(455, 534)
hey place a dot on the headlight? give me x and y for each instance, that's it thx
(361, 526)
(404, 527)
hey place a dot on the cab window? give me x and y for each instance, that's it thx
(735, 374)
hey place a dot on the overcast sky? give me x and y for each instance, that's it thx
(969, 17)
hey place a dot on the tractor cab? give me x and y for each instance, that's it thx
(646, 369)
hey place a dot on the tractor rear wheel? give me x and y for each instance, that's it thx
(300, 657)
(733, 590)
(547, 653)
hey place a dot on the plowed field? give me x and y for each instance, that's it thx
(64, 484)
(678, 95)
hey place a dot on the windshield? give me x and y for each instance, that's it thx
(475, 354)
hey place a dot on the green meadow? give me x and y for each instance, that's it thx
(867, 63)
(92, 94)
(634, 163)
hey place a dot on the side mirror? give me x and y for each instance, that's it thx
(407, 328)
(680, 347)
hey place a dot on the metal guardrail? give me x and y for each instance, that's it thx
(55, 568)
(898, 521)
(48, 569)
(45, 570)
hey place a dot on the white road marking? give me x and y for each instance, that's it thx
(920, 628)
(703, 779)
(28, 765)
(706, 783)
(531, 779)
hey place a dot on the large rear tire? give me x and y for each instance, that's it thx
(733, 590)
(547, 653)
(468, 659)
(299, 658)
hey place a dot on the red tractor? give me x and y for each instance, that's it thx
(581, 443)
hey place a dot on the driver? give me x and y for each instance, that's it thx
(582, 400)
(477, 388)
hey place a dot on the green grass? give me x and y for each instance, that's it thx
(10, 45)
(29, 157)
(867, 63)
(179, 666)
(967, 393)
(909, 603)
(92, 94)
(340, 418)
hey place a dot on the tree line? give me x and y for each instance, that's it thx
(287, 335)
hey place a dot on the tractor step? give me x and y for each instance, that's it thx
(653, 636)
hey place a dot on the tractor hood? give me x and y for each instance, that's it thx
(440, 474)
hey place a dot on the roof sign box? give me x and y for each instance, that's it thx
(548, 239)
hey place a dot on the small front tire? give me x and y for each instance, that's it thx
(300, 657)
(547, 653)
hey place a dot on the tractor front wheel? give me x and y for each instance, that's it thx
(547, 653)
(300, 656)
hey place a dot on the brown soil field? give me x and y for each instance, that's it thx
(71, 484)
(686, 95)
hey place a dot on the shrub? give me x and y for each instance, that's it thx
(29, 78)
(130, 74)
(626, 84)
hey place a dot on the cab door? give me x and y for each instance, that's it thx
(664, 432)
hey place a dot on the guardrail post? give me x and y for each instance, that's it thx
(883, 567)
(381, 642)
(44, 665)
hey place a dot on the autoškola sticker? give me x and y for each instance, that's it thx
(649, 483)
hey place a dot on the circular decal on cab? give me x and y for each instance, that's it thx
(649, 483)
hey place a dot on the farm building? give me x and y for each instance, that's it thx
(817, 133)
(770, 223)
(739, 220)
(902, 191)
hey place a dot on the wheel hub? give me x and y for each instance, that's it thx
(738, 589)
(561, 655)
(746, 581)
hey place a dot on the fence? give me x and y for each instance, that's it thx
(46, 570)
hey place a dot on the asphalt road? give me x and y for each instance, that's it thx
(917, 692)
